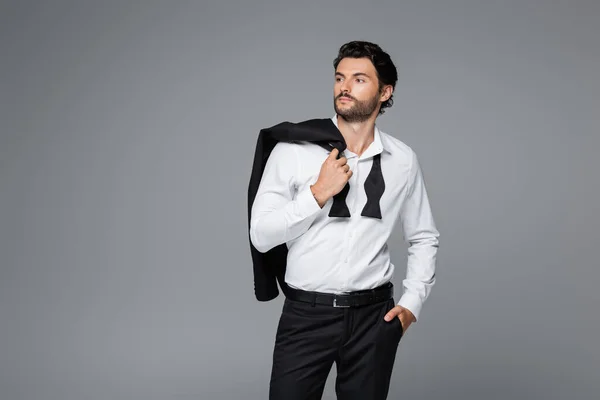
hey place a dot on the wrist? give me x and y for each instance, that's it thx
(318, 194)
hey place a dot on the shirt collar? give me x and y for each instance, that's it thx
(379, 140)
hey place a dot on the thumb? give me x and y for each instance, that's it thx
(333, 154)
(391, 314)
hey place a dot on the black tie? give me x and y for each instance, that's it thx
(374, 188)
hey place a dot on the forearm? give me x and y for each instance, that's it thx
(273, 224)
(420, 272)
(421, 233)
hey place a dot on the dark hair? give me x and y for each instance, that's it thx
(386, 70)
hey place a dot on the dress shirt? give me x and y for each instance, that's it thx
(339, 255)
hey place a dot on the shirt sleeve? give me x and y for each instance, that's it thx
(280, 213)
(423, 238)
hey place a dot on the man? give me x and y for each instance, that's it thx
(339, 304)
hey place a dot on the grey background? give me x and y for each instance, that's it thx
(127, 136)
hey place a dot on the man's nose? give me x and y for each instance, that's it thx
(345, 88)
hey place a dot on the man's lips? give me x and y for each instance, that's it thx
(345, 98)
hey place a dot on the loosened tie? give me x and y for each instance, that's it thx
(374, 188)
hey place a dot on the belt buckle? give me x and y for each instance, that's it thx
(335, 304)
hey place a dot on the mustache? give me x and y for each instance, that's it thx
(344, 95)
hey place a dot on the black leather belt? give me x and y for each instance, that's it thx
(352, 299)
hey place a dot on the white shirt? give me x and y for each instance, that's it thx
(342, 254)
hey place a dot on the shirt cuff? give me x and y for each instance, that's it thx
(412, 302)
(307, 204)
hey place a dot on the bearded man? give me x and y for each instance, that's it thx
(328, 194)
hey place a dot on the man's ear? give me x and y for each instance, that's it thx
(386, 92)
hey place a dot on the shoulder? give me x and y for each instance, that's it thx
(284, 151)
(401, 151)
(297, 148)
(285, 146)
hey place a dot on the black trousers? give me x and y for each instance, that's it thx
(310, 338)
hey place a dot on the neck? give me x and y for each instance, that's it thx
(358, 135)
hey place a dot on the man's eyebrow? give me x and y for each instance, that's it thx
(354, 74)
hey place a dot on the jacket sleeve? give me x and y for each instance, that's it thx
(422, 236)
(280, 213)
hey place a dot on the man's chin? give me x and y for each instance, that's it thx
(346, 117)
(350, 117)
(343, 111)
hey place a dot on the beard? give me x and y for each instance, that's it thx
(359, 111)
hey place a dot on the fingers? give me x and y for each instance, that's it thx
(333, 156)
(347, 171)
(341, 162)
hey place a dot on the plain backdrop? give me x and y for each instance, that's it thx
(127, 137)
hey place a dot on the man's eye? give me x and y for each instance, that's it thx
(360, 80)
